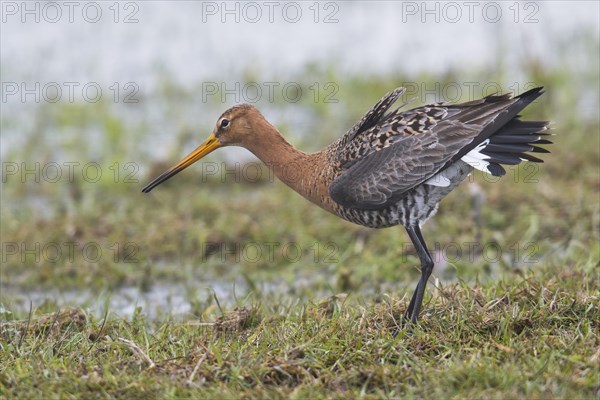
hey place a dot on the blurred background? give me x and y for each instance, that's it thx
(100, 97)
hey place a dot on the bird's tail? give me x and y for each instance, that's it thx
(513, 142)
(509, 146)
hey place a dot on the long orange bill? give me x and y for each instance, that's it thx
(212, 143)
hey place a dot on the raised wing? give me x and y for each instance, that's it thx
(379, 178)
(388, 156)
(374, 116)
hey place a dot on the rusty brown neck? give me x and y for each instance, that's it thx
(299, 170)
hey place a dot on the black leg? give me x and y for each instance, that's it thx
(414, 307)
(411, 305)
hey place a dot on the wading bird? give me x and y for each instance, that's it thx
(392, 167)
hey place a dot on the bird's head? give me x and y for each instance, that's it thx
(237, 126)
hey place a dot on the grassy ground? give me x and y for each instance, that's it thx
(512, 311)
(534, 336)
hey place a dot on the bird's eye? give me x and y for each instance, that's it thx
(224, 123)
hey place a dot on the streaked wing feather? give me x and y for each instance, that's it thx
(381, 177)
(374, 115)
(385, 155)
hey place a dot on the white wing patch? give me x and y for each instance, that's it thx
(446, 177)
(438, 180)
(477, 160)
